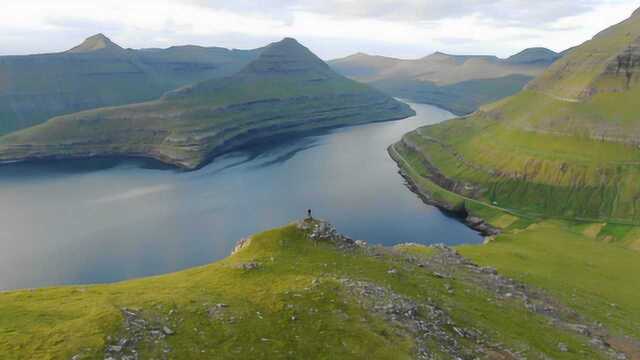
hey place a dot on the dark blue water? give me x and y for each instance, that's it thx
(107, 220)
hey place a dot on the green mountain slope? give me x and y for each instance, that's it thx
(449, 81)
(306, 292)
(287, 89)
(99, 73)
(566, 146)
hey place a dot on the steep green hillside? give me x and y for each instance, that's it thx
(565, 147)
(99, 73)
(305, 291)
(460, 84)
(287, 89)
(461, 98)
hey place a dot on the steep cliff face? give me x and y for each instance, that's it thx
(286, 90)
(567, 146)
(625, 67)
(100, 73)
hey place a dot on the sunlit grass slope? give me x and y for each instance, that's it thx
(295, 305)
(592, 271)
(566, 147)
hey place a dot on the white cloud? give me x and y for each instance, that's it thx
(405, 28)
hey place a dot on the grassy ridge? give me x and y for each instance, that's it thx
(538, 174)
(296, 278)
(36, 88)
(574, 264)
(584, 264)
(461, 98)
(460, 84)
(287, 89)
(566, 147)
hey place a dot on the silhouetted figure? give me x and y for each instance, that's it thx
(309, 214)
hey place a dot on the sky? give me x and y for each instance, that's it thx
(330, 28)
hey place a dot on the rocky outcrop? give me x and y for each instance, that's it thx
(322, 231)
(627, 64)
(435, 176)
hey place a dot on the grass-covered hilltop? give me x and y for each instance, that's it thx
(286, 89)
(304, 291)
(551, 176)
(568, 146)
(98, 73)
(458, 83)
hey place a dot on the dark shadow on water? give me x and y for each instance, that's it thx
(47, 168)
(283, 147)
(288, 155)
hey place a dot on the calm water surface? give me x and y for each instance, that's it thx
(107, 220)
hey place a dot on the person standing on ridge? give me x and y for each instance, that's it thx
(309, 214)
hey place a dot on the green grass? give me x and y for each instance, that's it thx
(57, 323)
(461, 98)
(584, 66)
(566, 147)
(593, 277)
(535, 173)
(187, 125)
(588, 266)
(36, 88)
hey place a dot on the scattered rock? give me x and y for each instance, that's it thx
(447, 262)
(114, 348)
(427, 323)
(241, 244)
(439, 275)
(480, 225)
(474, 221)
(136, 329)
(167, 331)
(563, 347)
(319, 230)
(250, 266)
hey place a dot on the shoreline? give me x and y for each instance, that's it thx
(234, 144)
(473, 222)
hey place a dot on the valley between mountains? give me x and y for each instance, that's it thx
(545, 165)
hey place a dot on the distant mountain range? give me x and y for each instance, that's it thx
(100, 73)
(286, 89)
(458, 83)
(566, 146)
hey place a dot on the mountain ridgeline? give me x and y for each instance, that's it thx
(100, 73)
(286, 90)
(457, 83)
(566, 146)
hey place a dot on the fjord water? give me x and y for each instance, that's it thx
(105, 220)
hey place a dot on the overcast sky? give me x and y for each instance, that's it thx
(331, 28)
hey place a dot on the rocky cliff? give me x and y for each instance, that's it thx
(286, 90)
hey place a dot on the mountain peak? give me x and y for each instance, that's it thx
(95, 43)
(636, 13)
(438, 54)
(535, 55)
(286, 56)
